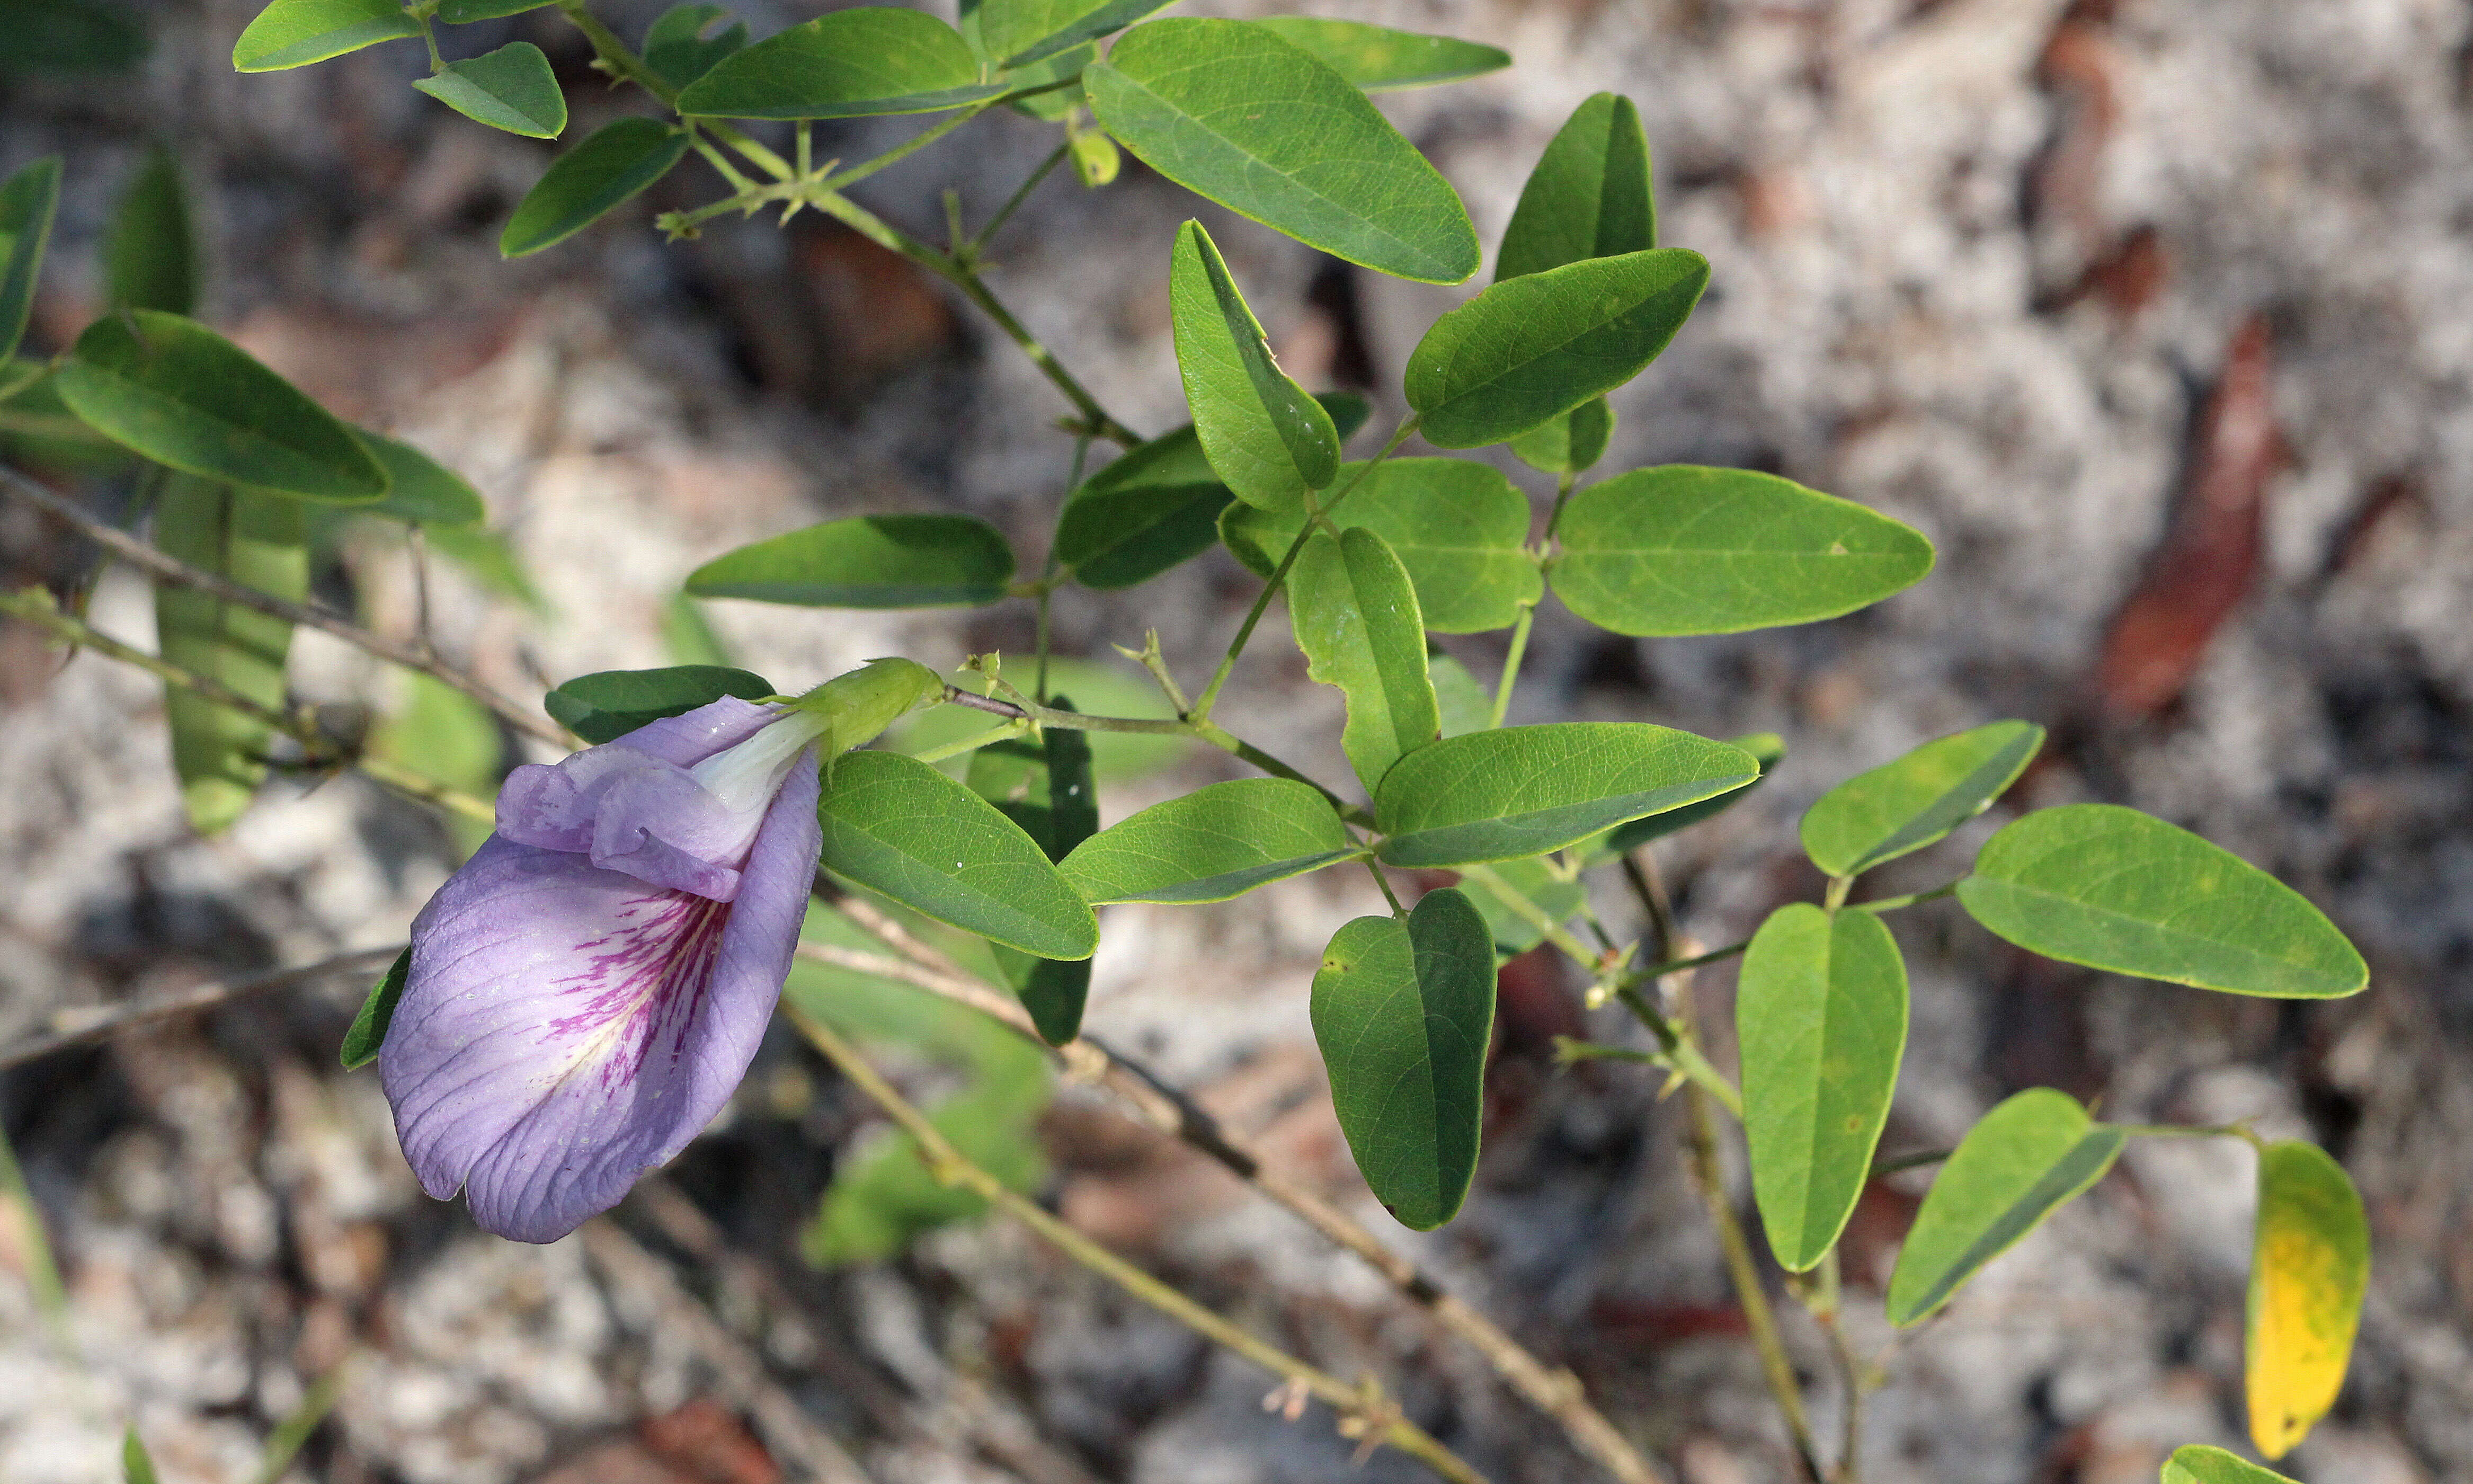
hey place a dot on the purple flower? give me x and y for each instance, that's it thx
(586, 994)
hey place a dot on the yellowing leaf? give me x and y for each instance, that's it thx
(2307, 1274)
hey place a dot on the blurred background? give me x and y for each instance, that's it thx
(2156, 315)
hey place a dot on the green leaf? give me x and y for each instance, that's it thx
(38, 429)
(1533, 347)
(1016, 33)
(67, 36)
(1569, 444)
(866, 562)
(136, 1467)
(849, 64)
(149, 253)
(895, 825)
(1159, 506)
(181, 394)
(1462, 702)
(296, 33)
(1403, 1012)
(1904, 806)
(1766, 748)
(607, 704)
(1560, 897)
(589, 182)
(2197, 1463)
(446, 734)
(1263, 436)
(1460, 528)
(1218, 841)
(1050, 89)
(2310, 1266)
(1230, 111)
(1355, 614)
(2111, 887)
(461, 13)
(510, 89)
(1055, 802)
(489, 558)
(1526, 790)
(28, 201)
(370, 1027)
(1821, 1017)
(1380, 59)
(683, 44)
(419, 490)
(1096, 159)
(688, 636)
(1589, 197)
(1683, 549)
(2025, 1159)
(256, 540)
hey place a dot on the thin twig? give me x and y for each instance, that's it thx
(1366, 1414)
(1552, 1390)
(170, 569)
(79, 1024)
(35, 606)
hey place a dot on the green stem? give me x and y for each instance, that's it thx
(1262, 600)
(1821, 1302)
(1562, 496)
(1367, 1414)
(1535, 915)
(1375, 867)
(1511, 663)
(973, 742)
(1655, 971)
(1709, 1179)
(1911, 899)
(970, 250)
(902, 150)
(943, 265)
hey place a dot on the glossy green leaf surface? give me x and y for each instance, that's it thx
(149, 253)
(2023, 1159)
(1533, 347)
(296, 33)
(1378, 59)
(1045, 786)
(1231, 111)
(607, 704)
(689, 39)
(377, 1012)
(181, 394)
(1904, 806)
(1569, 444)
(1151, 510)
(1016, 33)
(67, 37)
(28, 202)
(1515, 932)
(419, 490)
(1589, 197)
(866, 562)
(897, 826)
(510, 89)
(1821, 1017)
(459, 12)
(1355, 615)
(1403, 1012)
(2310, 1267)
(1268, 441)
(1220, 841)
(2111, 887)
(256, 540)
(1460, 528)
(1522, 791)
(1682, 549)
(590, 180)
(1766, 748)
(868, 59)
(2197, 1463)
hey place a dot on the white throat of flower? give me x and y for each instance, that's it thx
(745, 777)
